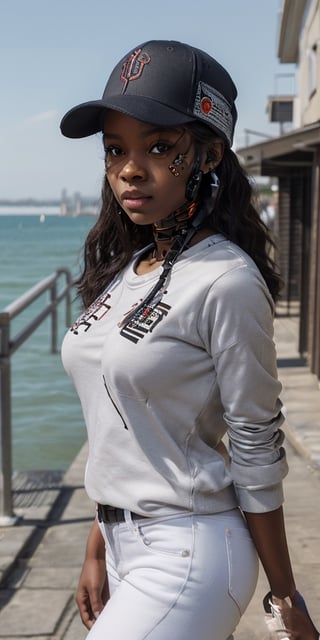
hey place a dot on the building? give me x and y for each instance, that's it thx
(294, 159)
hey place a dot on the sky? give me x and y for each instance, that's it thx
(55, 54)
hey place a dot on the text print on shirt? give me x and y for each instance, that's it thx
(144, 321)
(96, 311)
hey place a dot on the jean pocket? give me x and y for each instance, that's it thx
(168, 537)
(243, 566)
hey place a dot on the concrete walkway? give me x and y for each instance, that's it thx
(40, 557)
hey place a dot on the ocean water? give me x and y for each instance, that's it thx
(47, 423)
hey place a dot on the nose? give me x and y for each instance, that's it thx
(133, 169)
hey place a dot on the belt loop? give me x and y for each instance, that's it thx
(130, 522)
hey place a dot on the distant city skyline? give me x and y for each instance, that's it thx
(57, 54)
(50, 201)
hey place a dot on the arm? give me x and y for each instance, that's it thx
(93, 592)
(238, 322)
(269, 537)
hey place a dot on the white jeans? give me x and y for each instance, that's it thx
(185, 577)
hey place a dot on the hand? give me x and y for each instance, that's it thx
(93, 592)
(299, 625)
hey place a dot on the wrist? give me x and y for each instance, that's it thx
(285, 593)
(293, 599)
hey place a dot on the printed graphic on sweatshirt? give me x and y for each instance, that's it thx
(139, 323)
(97, 310)
(143, 321)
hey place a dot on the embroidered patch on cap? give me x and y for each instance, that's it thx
(213, 108)
(132, 67)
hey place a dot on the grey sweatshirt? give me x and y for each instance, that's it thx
(159, 393)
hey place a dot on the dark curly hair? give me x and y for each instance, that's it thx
(112, 240)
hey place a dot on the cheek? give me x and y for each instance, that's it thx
(113, 186)
(173, 193)
(176, 184)
(180, 173)
(111, 179)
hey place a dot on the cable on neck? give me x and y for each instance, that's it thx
(180, 242)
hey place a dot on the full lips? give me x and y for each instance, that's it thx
(134, 203)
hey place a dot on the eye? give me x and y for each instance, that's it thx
(112, 150)
(160, 147)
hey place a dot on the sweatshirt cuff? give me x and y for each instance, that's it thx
(261, 476)
(259, 489)
(260, 501)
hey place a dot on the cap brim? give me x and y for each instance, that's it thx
(87, 118)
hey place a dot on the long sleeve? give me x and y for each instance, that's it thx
(239, 317)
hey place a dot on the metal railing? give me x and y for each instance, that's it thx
(8, 346)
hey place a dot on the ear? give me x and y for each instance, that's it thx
(212, 156)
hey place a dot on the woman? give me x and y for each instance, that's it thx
(174, 350)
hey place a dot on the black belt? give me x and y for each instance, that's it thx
(112, 515)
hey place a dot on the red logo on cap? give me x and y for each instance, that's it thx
(206, 105)
(132, 68)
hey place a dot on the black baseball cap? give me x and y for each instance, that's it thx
(165, 83)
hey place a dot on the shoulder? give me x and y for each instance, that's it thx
(239, 287)
(237, 305)
(224, 267)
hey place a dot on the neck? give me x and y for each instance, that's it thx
(166, 229)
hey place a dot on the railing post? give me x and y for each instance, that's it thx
(68, 299)
(69, 285)
(6, 503)
(54, 317)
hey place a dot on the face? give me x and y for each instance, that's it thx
(138, 156)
